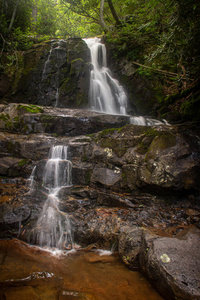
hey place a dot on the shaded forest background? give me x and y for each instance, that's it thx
(161, 38)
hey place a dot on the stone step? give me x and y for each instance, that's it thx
(28, 119)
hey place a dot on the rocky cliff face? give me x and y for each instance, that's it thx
(54, 73)
(155, 159)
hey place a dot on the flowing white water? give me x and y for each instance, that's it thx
(31, 181)
(143, 121)
(53, 226)
(57, 97)
(46, 65)
(106, 94)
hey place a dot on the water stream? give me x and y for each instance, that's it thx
(49, 85)
(31, 181)
(145, 121)
(53, 226)
(28, 272)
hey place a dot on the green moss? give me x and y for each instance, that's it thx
(4, 117)
(105, 133)
(54, 135)
(143, 148)
(10, 146)
(26, 129)
(106, 140)
(152, 132)
(31, 108)
(145, 143)
(161, 142)
(8, 125)
(76, 66)
(88, 176)
(81, 99)
(23, 162)
(16, 119)
(67, 86)
(120, 139)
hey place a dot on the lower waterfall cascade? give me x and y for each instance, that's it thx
(53, 226)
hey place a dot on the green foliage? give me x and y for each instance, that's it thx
(46, 19)
(144, 71)
(22, 40)
(23, 14)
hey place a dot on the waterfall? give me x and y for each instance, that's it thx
(53, 226)
(49, 85)
(47, 65)
(106, 94)
(31, 181)
(144, 121)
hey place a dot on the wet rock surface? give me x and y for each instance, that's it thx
(126, 179)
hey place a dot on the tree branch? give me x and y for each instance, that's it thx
(156, 70)
(4, 42)
(103, 24)
(13, 16)
(114, 13)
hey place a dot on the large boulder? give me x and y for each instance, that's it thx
(159, 159)
(130, 245)
(173, 264)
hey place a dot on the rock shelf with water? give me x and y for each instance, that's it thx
(132, 188)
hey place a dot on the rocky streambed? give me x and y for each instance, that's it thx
(135, 188)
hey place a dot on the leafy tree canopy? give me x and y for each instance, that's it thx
(162, 34)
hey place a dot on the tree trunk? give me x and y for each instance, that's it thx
(34, 13)
(13, 16)
(113, 11)
(102, 23)
(34, 16)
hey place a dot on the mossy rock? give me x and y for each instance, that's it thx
(120, 139)
(161, 142)
(23, 162)
(27, 62)
(76, 67)
(4, 117)
(34, 109)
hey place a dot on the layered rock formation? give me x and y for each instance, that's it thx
(125, 178)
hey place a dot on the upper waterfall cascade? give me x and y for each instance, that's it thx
(106, 94)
